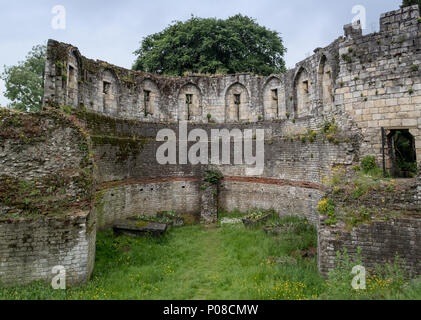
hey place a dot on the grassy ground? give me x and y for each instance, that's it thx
(199, 263)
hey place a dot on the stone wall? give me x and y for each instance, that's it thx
(369, 81)
(31, 248)
(46, 194)
(380, 242)
(147, 197)
(380, 79)
(209, 204)
(384, 222)
(285, 197)
(358, 84)
(128, 94)
(131, 181)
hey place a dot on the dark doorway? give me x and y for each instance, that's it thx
(402, 153)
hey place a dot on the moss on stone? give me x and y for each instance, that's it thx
(56, 193)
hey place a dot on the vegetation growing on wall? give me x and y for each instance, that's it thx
(213, 176)
(326, 207)
(365, 195)
(53, 194)
(44, 196)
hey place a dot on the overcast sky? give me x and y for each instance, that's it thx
(112, 30)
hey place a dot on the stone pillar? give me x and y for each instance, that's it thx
(209, 204)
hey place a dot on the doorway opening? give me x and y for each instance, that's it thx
(402, 153)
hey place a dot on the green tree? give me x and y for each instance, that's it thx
(24, 82)
(407, 3)
(237, 44)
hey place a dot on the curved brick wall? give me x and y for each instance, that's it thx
(364, 82)
(46, 193)
(31, 248)
(131, 181)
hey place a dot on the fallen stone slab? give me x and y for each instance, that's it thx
(139, 228)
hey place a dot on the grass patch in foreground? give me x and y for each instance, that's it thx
(194, 262)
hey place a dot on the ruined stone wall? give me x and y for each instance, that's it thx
(356, 85)
(380, 242)
(147, 197)
(46, 193)
(285, 197)
(362, 82)
(383, 220)
(368, 82)
(132, 182)
(379, 83)
(128, 94)
(31, 248)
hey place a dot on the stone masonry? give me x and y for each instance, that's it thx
(46, 193)
(357, 85)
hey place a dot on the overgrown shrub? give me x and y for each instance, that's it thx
(368, 163)
(213, 176)
(326, 207)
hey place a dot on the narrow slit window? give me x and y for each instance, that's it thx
(237, 99)
(189, 99)
(147, 99)
(275, 94)
(106, 87)
(71, 74)
(147, 95)
(305, 86)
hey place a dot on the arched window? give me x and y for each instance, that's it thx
(109, 92)
(274, 100)
(237, 104)
(149, 99)
(190, 103)
(325, 82)
(302, 93)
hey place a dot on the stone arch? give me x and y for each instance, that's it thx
(150, 97)
(109, 91)
(325, 82)
(302, 88)
(237, 103)
(274, 99)
(72, 85)
(190, 103)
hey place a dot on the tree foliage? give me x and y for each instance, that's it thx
(407, 3)
(24, 82)
(198, 45)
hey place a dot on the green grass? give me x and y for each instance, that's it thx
(199, 263)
